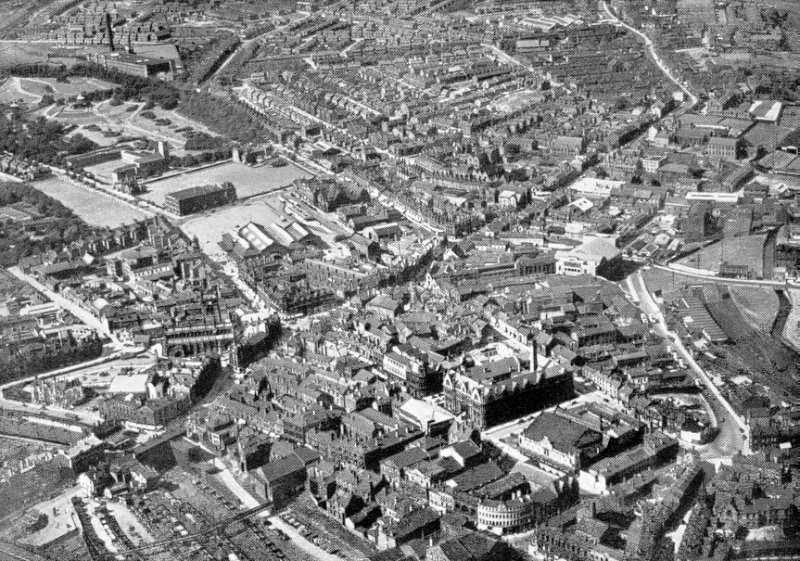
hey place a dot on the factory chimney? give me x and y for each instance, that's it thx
(109, 32)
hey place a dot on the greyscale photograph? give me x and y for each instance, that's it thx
(399, 280)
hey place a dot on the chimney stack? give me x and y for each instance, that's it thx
(110, 32)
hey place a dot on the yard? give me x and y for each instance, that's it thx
(209, 227)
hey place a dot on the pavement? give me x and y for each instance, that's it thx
(730, 438)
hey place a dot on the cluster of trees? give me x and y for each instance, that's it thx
(41, 139)
(190, 160)
(16, 239)
(228, 119)
(205, 59)
(236, 65)
(18, 361)
(128, 87)
(197, 140)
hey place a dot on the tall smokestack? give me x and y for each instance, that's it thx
(109, 32)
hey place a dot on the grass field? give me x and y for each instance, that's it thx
(248, 180)
(94, 208)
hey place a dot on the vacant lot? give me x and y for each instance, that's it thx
(248, 180)
(94, 208)
(758, 305)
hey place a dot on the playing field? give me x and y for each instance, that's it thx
(248, 180)
(94, 208)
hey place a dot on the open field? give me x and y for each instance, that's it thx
(94, 208)
(248, 180)
(18, 52)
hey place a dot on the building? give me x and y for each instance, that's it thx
(656, 450)
(135, 65)
(587, 257)
(284, 479)
(723, 148)
(560, 443)
(199, 199)
(502, 391)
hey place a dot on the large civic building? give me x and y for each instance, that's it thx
(502, 390)
(198, 199)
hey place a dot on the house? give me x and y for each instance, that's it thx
(416, 525)
(384, 307)
(394, 467)
(466, 453)
(471, 547)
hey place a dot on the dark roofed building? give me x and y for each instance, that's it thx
(200, 198)
(284, 479)
(559, 442)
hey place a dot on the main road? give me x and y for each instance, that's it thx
(651, 49)
(732, 428)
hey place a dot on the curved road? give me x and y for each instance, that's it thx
(730, 439)
(697, 274)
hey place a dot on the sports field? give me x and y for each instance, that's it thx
(248, 180)
(94, 208)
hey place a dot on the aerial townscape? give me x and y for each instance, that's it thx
(399, 280)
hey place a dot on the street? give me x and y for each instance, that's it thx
(730, 439)
(652, 53)
(84, 315)
(76, 370)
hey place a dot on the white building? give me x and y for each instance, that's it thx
(585, 258)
